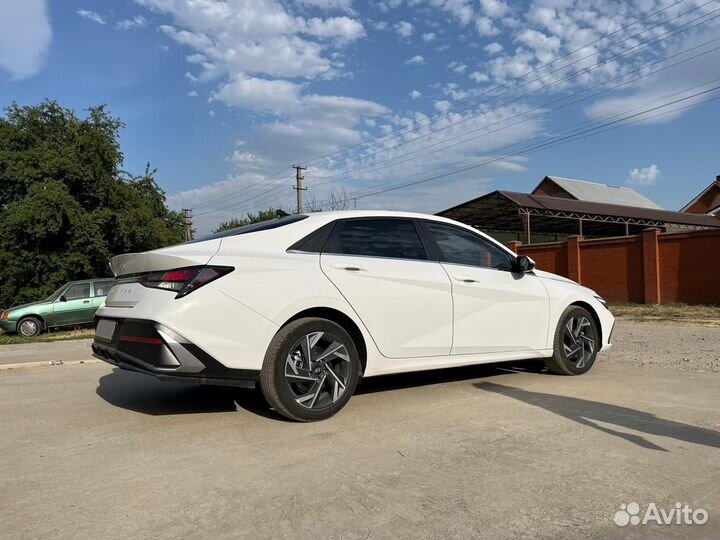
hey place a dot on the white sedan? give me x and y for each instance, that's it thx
(306, 305)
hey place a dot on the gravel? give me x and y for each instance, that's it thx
(669, 345)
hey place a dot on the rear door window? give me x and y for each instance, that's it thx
(388, 238)
(102, 287)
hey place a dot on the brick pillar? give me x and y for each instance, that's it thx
(514, 245)
(651, 266)
(573, 254)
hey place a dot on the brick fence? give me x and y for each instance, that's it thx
(651, 268)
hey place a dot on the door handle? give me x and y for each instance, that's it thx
(86, 301)
(465, 279)
(347, 267)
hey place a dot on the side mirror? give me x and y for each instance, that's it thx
(524, 264)
(62, 298)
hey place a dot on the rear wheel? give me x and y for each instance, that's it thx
(29, 327)
(576, 343)
(310, 370)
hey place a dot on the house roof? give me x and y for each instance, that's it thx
(583, 190)
(714, 185)
(498, 211)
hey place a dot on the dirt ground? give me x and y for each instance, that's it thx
(503, 450)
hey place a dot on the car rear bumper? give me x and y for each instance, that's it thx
(151, 348)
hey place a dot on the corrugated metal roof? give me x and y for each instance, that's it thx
(526, 200)
(602, 193)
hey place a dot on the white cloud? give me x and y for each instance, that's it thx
(344, 5)
(257, 94)
(136, 23)
(239, 157)
(493, 48)
(668, 85)
(192, 93)
(25, 36)
(338, 27)
(485, 26)
(93, 16)
(427, 37)
(441, 105)
(416, 60)
(479, 77)
(404, 29)
(415, 94)
(494, 8)
(645, 176)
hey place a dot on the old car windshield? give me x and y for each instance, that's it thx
(55, 295)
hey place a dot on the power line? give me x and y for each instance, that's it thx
(535, 70)
(555, 142)
(545, 87)
(627, 52)
(679, 29)
(394, 160)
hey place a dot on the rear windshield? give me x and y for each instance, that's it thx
(253, 227)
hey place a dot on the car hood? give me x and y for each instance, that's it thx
(23, 306)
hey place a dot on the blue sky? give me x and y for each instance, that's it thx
(220, 96)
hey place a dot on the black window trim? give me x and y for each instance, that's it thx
(339, 222)
(437, 253)
(325, 230)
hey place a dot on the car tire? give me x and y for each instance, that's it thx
(576, 343)
(29, 327)
(311, 369)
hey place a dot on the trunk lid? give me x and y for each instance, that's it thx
(180, 256)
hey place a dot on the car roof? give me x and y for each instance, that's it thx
(348, 214)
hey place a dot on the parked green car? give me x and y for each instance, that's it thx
(72, 304)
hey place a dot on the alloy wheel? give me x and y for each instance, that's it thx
(317, 370)
(579, 341)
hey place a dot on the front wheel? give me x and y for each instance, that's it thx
(576, 343)
(310, 370)
(29, 327)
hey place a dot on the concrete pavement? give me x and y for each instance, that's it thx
(46, 352)
(492, 451)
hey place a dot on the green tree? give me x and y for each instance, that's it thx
(262, 215)
(66, 206)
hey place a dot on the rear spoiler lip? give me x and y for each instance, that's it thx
(181, 256)
(132, 264)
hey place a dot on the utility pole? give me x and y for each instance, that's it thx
(299, 187)
(187, 213)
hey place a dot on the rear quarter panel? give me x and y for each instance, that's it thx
(279, 285)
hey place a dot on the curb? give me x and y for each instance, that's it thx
(4, 367)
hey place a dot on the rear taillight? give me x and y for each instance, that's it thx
(4, 316)
(183, 281)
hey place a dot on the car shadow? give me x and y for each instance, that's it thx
(144, 394)
(398, 381)
(587, 412)
(147, 395)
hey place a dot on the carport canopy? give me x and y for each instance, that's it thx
(512, 212)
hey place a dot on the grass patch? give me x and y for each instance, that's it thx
(668, 312)
(61, 335)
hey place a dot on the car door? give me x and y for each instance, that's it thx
(382, 268)
(74, 305)
(100, 290)
(495, 310)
